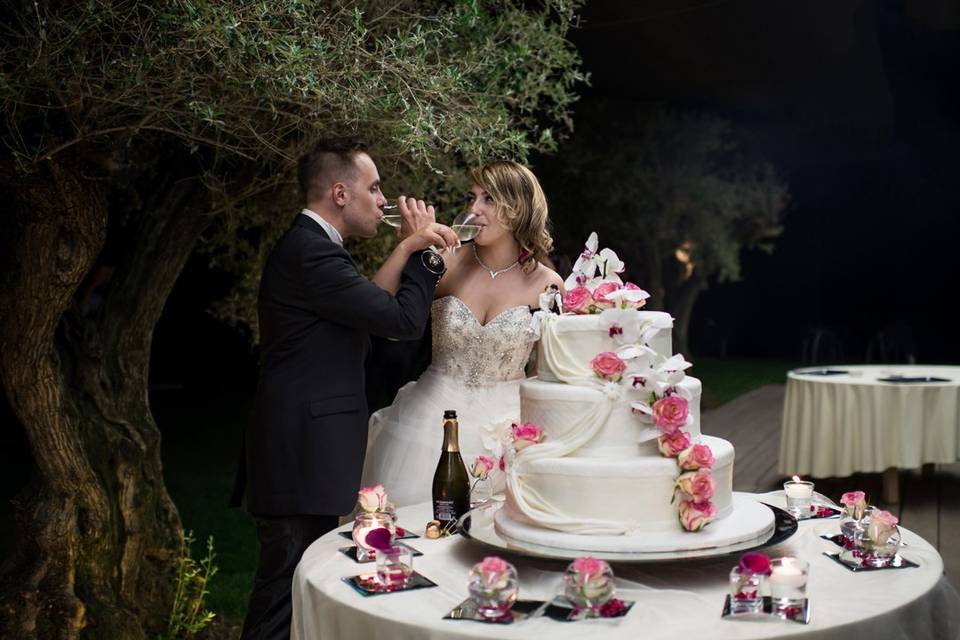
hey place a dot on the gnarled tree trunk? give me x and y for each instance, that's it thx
(97, 534)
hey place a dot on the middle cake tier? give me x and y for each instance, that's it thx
(557, 408)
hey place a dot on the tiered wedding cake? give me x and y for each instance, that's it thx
(610, 456)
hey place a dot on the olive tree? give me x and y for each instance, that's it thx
(136, 132)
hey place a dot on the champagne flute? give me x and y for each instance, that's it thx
(391, 219)
(465, 227)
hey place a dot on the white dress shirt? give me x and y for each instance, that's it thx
(329, 228)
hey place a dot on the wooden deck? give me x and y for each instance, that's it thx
(929, 499)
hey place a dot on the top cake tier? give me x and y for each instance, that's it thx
(569, 342)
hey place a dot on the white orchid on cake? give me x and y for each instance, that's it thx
(595, 285)
(655, 385)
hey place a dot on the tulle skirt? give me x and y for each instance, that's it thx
(406, 438)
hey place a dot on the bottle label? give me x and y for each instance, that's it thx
(444, 510)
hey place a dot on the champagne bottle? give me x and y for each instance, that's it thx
(451, 486)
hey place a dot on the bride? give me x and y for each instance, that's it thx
(481, 339)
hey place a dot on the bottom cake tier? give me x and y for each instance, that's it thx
(747, 522)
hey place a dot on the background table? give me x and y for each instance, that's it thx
(673, 600)
(836, 425)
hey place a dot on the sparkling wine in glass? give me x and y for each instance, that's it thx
(391, 219)
(465, 227)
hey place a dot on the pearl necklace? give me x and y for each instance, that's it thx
(493, 272)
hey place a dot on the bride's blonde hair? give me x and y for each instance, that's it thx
(521, 207)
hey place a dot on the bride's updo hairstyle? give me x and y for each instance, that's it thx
(521, 207)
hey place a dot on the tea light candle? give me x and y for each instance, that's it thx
(797, 488)
(787, 574)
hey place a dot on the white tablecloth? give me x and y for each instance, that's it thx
(840, 424)
(673, 600)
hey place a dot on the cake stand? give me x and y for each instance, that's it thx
(478, 526)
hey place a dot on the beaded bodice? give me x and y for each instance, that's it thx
(480, 354)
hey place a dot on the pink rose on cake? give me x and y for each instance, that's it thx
(671, 444)
(600, 299)
(525, 435)
(696, 486)
(608, 366)
(694, 516)
(628, 296)
(670, 413)
(372, 499)
(699, 456)
(578, 300)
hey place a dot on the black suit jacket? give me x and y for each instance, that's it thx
(305, 444)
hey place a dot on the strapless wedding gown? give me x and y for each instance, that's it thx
(476, 370)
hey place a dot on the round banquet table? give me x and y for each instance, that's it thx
(682, 599)
(844, 419)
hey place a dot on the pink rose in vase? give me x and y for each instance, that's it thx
(694, 516)
(854, 503)
(591, 578)
(372, 499)
(670, 413)
(578, 300)
(696, 486)
(699, 456)
(671, 444)
(755, 564)
(600, 295)
(525, 435)
(495, 572)
(881, 527)
(608, 366)
(481, 467)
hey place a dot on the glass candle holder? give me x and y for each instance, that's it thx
(480, 493)
(394, 566)
(588, 585)
(849, 526)
(493, 587)
(746, 591)
(366, 522)
(788, 585)
(799, 494)
(878, 544)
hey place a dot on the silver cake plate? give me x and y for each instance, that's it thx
(477, 525)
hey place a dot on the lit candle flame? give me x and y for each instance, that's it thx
(796, 478)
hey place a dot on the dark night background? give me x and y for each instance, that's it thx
(857, 105)
(855, 102)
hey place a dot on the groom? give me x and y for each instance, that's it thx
(304, 447)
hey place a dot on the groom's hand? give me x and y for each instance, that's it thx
(434, 234)
(414, 216)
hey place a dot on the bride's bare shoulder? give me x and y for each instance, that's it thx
(543, 276)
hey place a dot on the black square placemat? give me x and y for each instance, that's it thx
(899, 562)
(521, 610)
(367, 585)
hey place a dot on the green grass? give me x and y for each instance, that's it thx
(201, 448)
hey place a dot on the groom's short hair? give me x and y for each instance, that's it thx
(330, 160)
